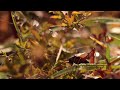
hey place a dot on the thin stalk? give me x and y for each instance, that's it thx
(98, 42)
(16, 27)
(114, 61)
(114, 37)
(58, 55)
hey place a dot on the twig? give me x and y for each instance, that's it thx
(58, 55)
(98, 42)
(115, 60)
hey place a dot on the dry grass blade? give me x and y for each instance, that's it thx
(58, 55)
(98, 42)
(64, 71)
(114, 61)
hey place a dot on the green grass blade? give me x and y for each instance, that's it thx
(108, 53)
(91, 21)
(76, 67)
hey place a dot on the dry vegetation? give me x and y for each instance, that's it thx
(60, 45)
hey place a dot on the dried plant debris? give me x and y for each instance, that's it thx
(60, 45)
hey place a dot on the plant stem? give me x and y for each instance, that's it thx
(58, 55)
(16, 27)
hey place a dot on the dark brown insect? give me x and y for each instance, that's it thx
(77, 60)
(83, 58)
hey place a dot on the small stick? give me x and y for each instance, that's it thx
(115, 60)
(58, 55)
(98, 42)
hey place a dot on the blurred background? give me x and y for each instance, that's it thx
(7, 30)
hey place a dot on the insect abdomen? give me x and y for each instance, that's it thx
(77, 60)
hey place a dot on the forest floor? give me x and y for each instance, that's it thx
(61, 45)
